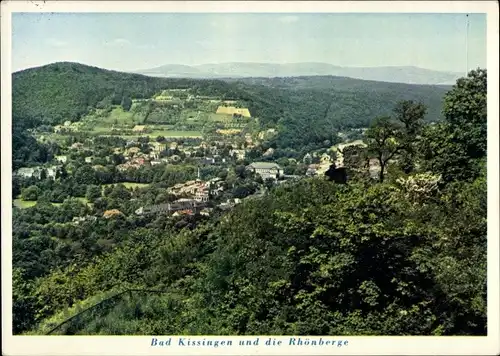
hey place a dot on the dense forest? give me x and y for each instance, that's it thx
(404, 254)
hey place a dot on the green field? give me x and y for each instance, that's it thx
(84, 200)
(173, 133)
(120, 117)
(22, 204)
(102, 122)
(220, 118)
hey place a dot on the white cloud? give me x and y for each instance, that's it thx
(118, 42)
(288, 19)
(54, 42)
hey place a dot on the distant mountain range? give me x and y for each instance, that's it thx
(408, 75)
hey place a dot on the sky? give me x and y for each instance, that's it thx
(134, 41)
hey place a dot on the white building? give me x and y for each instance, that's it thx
(62, 159)
(51, 172)
(266, 169)
(201, 195)
(28, 172)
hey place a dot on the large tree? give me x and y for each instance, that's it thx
(457, 147)
(383, 141)
(411, 115)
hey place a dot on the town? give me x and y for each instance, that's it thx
(221, 164)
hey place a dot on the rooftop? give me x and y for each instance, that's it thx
(264, 165)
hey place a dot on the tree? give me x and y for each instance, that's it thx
(411, 115)
(93, 192)
(85, 175)
(126, 103)
(465, 110)
(143, 140)
(31, 193)
(383, 141)
(120, 192)
(24, 302)
(61, 173)
(241, 171)
(43, 174)
(269, 183)
(456, 148)
(117, 97)
(117, 158)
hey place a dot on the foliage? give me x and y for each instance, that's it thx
(455, 147)
(31, 193)
(411, 115)
(383, 141)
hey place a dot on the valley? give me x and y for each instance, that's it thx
(315, 205)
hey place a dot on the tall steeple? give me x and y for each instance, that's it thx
(199, 173)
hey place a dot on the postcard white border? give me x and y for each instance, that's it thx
(140, 345)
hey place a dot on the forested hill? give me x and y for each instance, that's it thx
(346, 84)
(306, 110)
(66, 91)
(319, 106)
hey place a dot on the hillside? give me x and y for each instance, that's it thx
(323, 260)
(395, 74)
(314, 109)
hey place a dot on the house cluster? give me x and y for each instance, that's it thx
(182, 206)
(198, 190)
(318, 169)
(211, 151)
(135, 158)
(229, 204)
(133, 163)
(347, 155)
